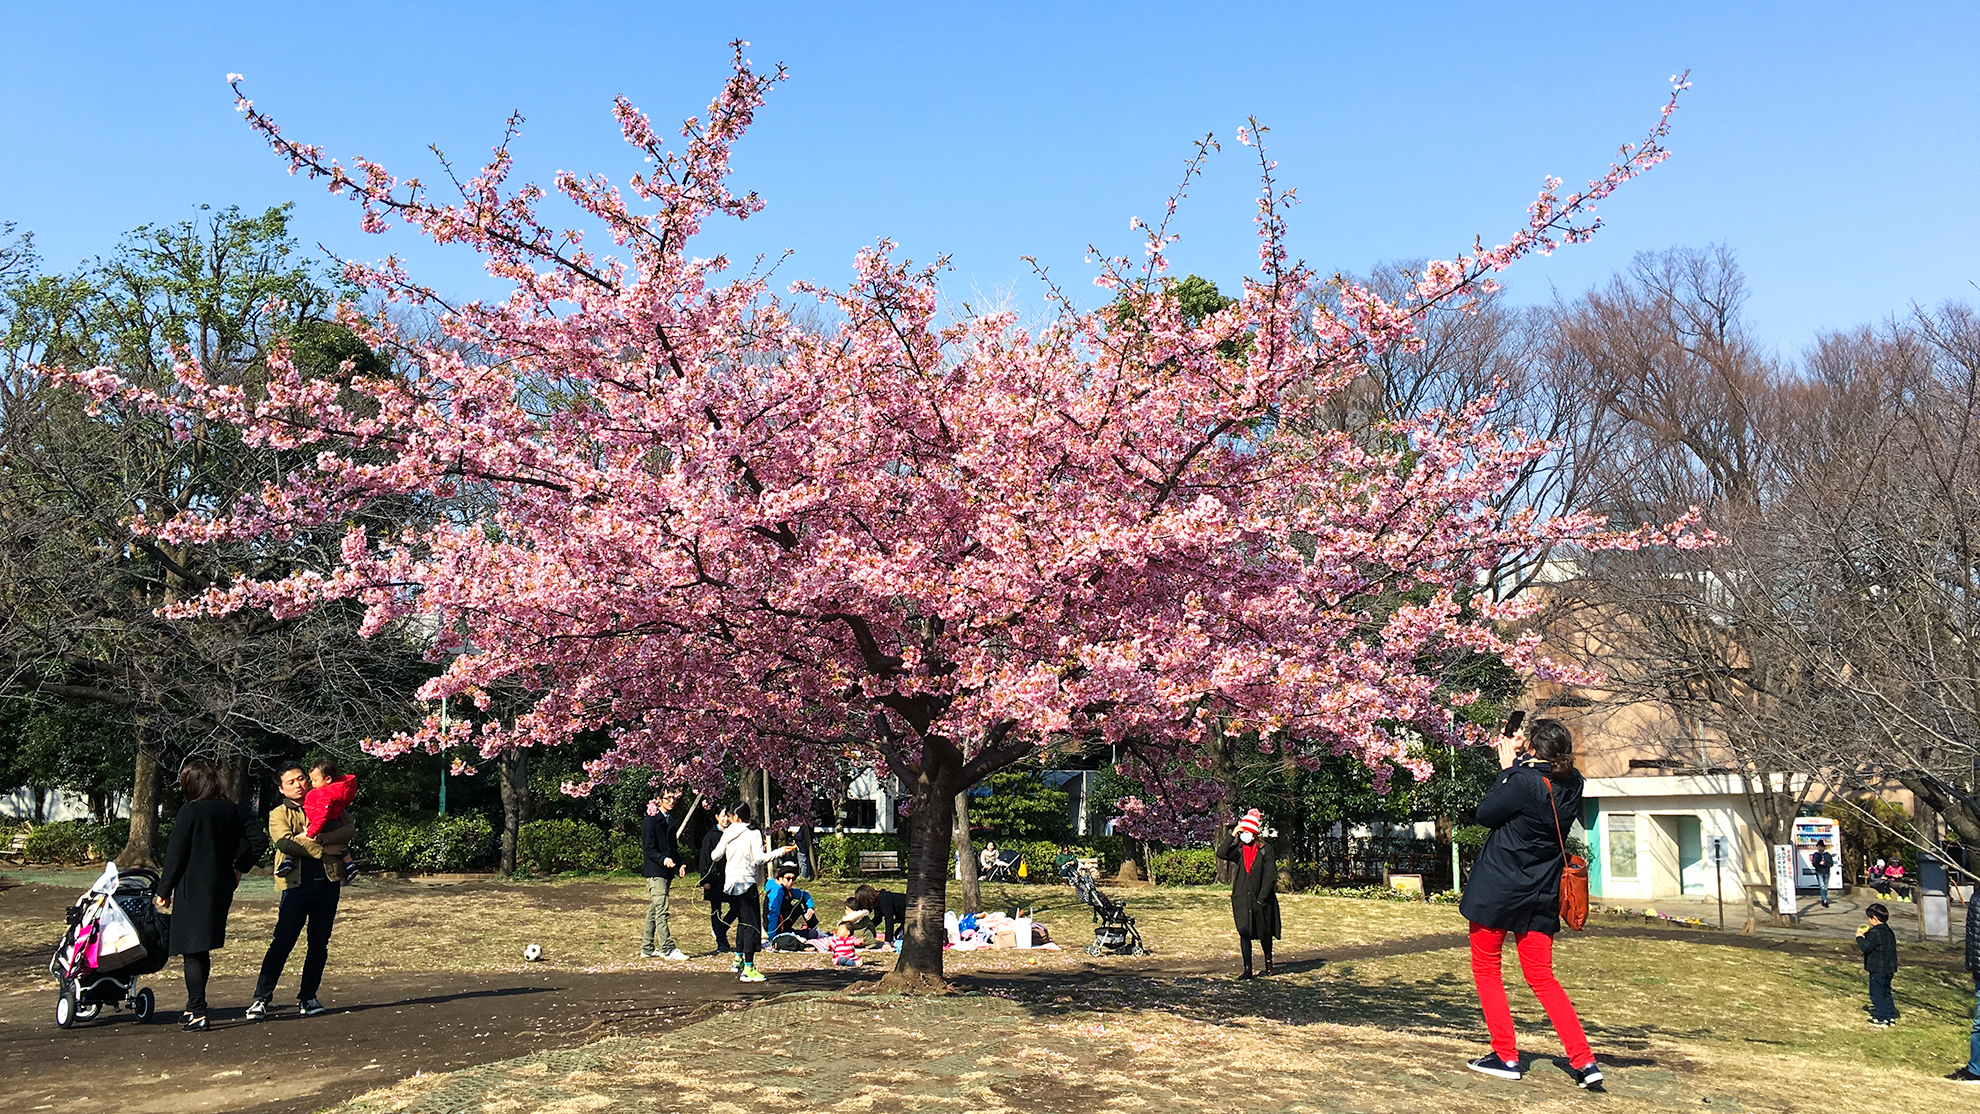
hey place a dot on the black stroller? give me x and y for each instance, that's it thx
(92, 977)
(1004, 869)
(1113, 928)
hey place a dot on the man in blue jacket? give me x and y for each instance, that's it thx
(791, 910)
(663, 864)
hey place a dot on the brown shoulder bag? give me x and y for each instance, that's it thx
(1574, 872)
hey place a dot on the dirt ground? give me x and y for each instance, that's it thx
(433, 1012)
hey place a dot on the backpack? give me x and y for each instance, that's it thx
(1574, 872)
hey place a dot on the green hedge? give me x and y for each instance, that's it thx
(448, 844)
(1039, 853)
(838, 855)
(64, 841)
(1188, 866)
(76, 841)
(557, 846)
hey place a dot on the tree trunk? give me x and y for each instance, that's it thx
(144, 807)
(972, 884)
(919, 969)
(1225, 764)
(40, 803)
(514, 769)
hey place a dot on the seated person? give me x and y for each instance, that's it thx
(790, 909)
(842, 946)
(988, 858)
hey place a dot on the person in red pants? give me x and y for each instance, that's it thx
(1515, 890)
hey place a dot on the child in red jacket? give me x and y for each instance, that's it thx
(330, 793)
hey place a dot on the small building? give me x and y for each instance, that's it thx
(1650, 836)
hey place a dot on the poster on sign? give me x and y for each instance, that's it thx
(1784, 900)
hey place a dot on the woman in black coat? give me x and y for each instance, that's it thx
(888, 909)
(209, 850)
(1515, 888)
(1254, 887)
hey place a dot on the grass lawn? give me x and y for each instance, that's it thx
(1374, 1011)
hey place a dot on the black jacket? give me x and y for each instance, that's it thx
(1254, 892)
(656, 836)
(1972, 935)
(1516, 884)
(889, 913)
(708, 868)
(1879, 948)
(210, 841)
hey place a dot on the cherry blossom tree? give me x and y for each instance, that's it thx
(734, 540)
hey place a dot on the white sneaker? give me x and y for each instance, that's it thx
(675, 954)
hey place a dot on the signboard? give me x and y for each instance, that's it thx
(1720, 853)
(1784, 870)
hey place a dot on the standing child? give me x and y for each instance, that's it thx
(843, 946)
(1879, 947)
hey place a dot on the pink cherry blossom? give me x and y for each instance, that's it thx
(669, 508)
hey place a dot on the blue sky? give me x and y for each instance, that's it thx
(1833, 146)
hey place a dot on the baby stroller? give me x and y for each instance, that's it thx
(1005, 869)
(115, 937)
(1113, 928)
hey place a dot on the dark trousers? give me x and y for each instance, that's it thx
(1263, 942)
(1882, 1007)
(309, 904)
(747, 912)
(199, 966)
(718, 923)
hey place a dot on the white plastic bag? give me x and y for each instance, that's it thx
(117, 938)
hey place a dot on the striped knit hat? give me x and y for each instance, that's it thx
(1253, 822)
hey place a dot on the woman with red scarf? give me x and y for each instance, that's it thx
(1254, 888)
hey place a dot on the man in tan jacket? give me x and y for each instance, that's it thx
(308, 889)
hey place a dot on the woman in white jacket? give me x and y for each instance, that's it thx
(740, 852)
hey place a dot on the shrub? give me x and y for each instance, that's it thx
(108, 838)
(441, 845)
(64, 841)
(556, 846)
(389, 841)
(1189, 866)
(627, 852)
(1470, 839)
(453, 843)
(1038, 854)
(838, 855)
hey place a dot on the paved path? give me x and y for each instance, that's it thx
(1841, 919)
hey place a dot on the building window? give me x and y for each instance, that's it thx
(1621, 843)
(862, 814)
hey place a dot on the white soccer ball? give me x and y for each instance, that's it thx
(533, 953)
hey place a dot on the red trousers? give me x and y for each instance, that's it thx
(1536, 962)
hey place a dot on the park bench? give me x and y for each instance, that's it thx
(879, 862)
(17, 850)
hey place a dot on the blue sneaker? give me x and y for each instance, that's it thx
(1490, 1064)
